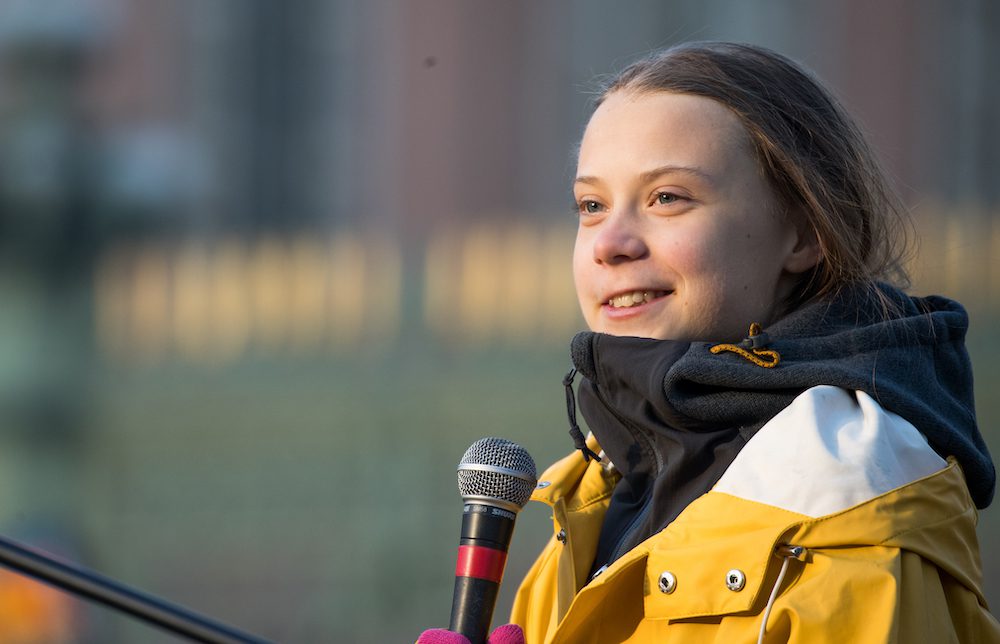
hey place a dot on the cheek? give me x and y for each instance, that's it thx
(732, 253)
(697, 259)
(715, 268)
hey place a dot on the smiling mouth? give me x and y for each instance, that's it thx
(635, 298)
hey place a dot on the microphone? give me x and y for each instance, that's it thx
(495, 478)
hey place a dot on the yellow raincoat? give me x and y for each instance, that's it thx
(902, 566)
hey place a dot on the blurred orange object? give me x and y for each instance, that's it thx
(32, 612)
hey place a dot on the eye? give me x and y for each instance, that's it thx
(589, 207)
(666, 198)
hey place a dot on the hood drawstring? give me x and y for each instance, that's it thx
(574, 429)
(787, 553)
(756, 340)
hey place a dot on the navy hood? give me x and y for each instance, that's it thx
(673, 415)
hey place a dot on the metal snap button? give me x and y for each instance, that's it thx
(543, 484)
(561, 536)
(668, 583)
(735, 580)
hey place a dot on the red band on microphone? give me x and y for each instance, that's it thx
(480, 562)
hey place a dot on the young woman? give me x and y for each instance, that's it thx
(784, 444)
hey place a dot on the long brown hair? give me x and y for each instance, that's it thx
(813, 154)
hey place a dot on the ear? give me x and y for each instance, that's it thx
(806, 251)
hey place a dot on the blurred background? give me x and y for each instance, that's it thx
(268, 268)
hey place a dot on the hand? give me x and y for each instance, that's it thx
(506, 634)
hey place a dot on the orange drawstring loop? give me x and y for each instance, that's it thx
(756, 339)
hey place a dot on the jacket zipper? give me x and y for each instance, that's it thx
(617, 551)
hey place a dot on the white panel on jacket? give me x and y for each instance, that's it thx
(829, 450)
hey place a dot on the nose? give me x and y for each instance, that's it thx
(619, 240)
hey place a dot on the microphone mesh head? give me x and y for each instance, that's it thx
(497, 468)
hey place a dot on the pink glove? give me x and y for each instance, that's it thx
(506, 634)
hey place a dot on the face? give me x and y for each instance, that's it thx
(680, 236)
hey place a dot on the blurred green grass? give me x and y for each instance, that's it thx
(309, 501)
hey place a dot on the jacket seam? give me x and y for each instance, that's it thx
(947, 519)
(586, 504)
(895, 490)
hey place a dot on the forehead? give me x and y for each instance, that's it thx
(662, 128)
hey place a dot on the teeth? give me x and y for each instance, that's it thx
(634, 298)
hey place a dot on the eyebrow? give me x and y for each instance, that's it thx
(655, 173)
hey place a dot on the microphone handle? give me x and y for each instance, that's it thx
(103, 590)
(482, 555)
